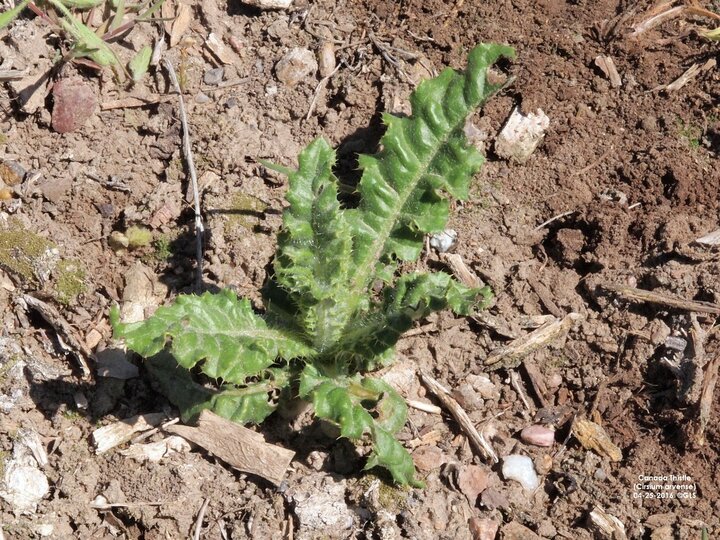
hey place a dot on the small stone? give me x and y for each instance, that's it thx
(547, 529)
(202, 98)
(492, 499)
(443, 241)
(74, 102)
(326, 58)
(12, 173)
(218, 48)
(538, 435)
(649, 123)
(320, 509)
(428, 458)
(107, 210)
(543, 463)
(113, 363)
(483, 529)
(485, 388)
(515, 531)
(295, 66)
(465, 395)
(521, 135)
(521, 469)
(213, 77)
(472, 480)
(269, 4)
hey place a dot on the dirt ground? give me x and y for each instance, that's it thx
(630, 172)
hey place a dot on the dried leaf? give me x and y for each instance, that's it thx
(593, 437)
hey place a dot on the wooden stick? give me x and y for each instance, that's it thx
(64, 331)
(187, 151)
(706, 398)
(460, 416)
(510, 356)
(665, 299)
(199, 520)
(238, 446)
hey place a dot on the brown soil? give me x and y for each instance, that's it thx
(633, 169)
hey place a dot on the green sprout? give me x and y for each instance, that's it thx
(324, 326)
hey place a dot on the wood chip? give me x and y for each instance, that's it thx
(65, 332)
(460, 416)
(592, 436)
(665, 299)
(461, 271)
(238, 446)
(218, 49)
(546, 296)
(183, 18)
(155, 451)
(706, 398)
(510, 356)
(117, 433)
(607, 524)
(538, 383)
(710, 239)
(692, 72)
(607, 66)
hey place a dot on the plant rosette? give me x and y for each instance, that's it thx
(324, 327)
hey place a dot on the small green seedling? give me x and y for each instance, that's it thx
(140, 63)
(324, 326)
(86, 42)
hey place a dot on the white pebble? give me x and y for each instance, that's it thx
(521, 135)
(295, 66)
(443, 241)
(521, 469)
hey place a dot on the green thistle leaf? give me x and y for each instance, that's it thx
(217, 332)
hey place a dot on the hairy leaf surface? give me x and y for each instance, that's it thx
(422, 156)
(369, 340)
(363, 408)
(251, 403)
(335, 305)
(314, 249)
(218, 332)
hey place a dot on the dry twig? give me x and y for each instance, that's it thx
(187, 152)
(199, 520)
(460, 416)
(664, 299)
(692, 72)
(511, 355)
(517, 385)
(66, 334)
(240, 447)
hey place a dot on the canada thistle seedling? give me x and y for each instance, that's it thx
(324, 327)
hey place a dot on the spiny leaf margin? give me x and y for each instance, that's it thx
(217, 332)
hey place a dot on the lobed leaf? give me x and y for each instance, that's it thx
(363, 408)
(251, 403)
(314, 248)
(217, 332)
(421, 156)
(368, 342)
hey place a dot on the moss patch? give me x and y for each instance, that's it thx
(70, 280)
(390, 497)
(245, 210)
(24, 254)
